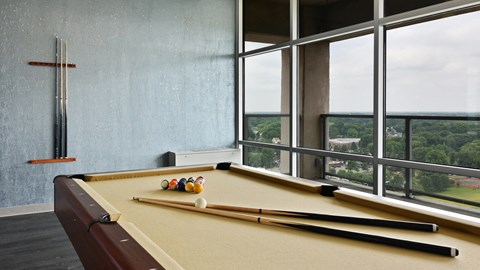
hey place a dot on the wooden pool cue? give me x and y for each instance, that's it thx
(398, 224)
(425, 247)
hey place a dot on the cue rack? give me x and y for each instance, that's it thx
(60, 103)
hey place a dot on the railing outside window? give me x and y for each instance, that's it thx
(404, 134)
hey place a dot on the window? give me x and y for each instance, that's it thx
(267, 108)
(383, 101)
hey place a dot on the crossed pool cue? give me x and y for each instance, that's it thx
(213, 209)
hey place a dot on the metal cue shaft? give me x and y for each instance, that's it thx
(65, 103)
(399, 224)
(425, 247)
(61, 98)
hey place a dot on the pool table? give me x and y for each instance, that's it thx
(111, 230)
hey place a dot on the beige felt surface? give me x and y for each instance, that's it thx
(199, 241)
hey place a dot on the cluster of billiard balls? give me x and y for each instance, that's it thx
(190, 185)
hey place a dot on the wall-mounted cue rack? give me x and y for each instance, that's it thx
(61, 66)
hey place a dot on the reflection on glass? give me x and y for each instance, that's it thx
(392, 7)
(318, 16)
(265, 22)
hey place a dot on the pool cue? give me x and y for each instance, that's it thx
(418, 246)
(61, 98)
(398, 224)
(57, 126)
(65, 103)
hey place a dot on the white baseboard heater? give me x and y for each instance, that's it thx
(204, 157)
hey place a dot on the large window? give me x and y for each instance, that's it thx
(385, 101)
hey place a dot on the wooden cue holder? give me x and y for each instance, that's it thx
(53, 160)
(47, 64)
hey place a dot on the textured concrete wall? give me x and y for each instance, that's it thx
(152, 76)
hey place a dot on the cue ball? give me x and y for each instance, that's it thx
(200, 203)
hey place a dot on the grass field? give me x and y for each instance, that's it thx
(466, 193)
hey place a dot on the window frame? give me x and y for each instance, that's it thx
(378, 26)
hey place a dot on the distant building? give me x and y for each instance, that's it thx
(345, 142)
(392, 133)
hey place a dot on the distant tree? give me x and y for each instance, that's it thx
(269, 158)
(433, 181)
(352, 133)
(469, 155)
(263, 157)
(419, 141)
(395, 180)
(455, 141)
(437, 156)
(333, 132)
(395, 147)
(365, 166)
(419, 153)
(270, 130)
(352, 165)
(365, 140)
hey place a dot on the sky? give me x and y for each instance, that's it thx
(431, 67)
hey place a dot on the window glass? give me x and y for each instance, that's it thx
(346, 173)
(351, 75)
(267, 158)
(453, 192)
(398, 6)
(267, 98)
(337, 78)
(266, 128)
(265, 22)
(433, 84)
(318, 16)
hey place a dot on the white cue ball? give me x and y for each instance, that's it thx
(201, 203)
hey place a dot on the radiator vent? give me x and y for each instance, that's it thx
(204, 157)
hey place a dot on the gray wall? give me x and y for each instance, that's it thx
(152, 76)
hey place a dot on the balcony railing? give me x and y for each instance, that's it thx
(407, 135)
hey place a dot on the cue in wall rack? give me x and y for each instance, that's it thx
(61, 102)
